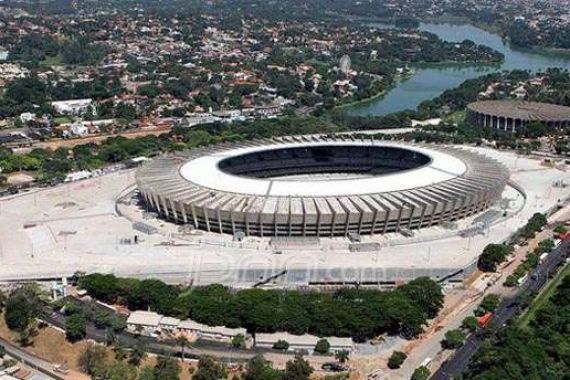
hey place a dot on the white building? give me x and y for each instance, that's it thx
(73, 107)
(78, 129)
(150, 323)
(143, 321)
(304, 342)
(169, 323)
(27, 117)
(217, 333)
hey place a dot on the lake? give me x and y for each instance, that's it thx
(427, 83)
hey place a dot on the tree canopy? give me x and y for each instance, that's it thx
(358, 313)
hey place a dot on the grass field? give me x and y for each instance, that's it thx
(543, 297)
(61, 120)
(455, 117)
(52, 61)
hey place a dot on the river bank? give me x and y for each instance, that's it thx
(398, 79)
(429, 82)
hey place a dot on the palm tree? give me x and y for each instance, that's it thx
(137, 353)
(342, 356)
(182, 342)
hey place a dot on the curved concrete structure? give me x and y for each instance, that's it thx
(308, 186)
(512, 115)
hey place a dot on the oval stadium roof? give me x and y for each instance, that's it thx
(518, 109)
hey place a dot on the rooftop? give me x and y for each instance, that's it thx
(301, 340)
(204, 171)
(144, 318)
(518, 109)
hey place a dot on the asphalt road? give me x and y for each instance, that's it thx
(508, 309)
(194, 350)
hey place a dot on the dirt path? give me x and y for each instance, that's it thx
(70, 143)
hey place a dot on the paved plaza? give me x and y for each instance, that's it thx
(80, 226)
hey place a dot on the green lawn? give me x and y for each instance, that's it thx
(456, 117)
(543, 297)
(61, 120)
(52, 61)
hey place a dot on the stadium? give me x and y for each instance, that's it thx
(317, 186)
(512, 115)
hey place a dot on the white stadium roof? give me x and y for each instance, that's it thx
(204, 171)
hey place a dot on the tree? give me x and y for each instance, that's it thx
(120, 352)
(2, 300)
(22, 307)
(492, 255)
(297, 369)
(490, 302)
(322, 347)
(75, 327)
(535, 129)
(281, 345)
(453, 339)
(2, 351)
(258, 368)
(138, 353)
(426, 293)
(102, 320)
(534, 224)
(121, 371)
(182, 342)
(470, 323)
(396, 359)
(93, 360)
(209, 369)
(421, 373)
(342, 356)
(25, 336)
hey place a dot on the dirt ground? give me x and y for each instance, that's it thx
(70, 143)
(50, 345)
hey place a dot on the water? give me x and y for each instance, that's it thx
(427, 83)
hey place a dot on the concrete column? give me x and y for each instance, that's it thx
(174, 212)
(220, 221)
(194, 218)
(206, 218)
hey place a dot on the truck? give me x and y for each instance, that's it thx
(485, 319)
(425, 362)
(522, 280)
(565, 236)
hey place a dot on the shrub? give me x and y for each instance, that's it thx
(238, 341)
(470, 323)
(492, 255)
(281, 345)
(490, 302)
(396, 359)
(453, 339)
(322, 347)
(75, 327)
(421, 373)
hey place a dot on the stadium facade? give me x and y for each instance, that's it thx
(317, 186)
(512, 115)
